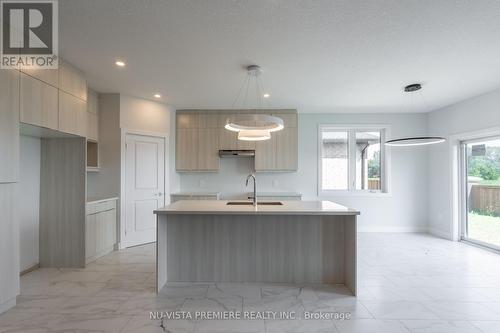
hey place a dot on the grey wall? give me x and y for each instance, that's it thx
(106, 182)
(404, 209)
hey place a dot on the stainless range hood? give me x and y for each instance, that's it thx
(236, 153)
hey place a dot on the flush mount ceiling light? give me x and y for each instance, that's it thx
(258, 126)
(120, 63)
(418, 140)
(157, 96)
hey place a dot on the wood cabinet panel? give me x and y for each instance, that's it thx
(286, 149)
(187, 120)
(289, 119)
(49, 76)
(265, 154)
(228, 140)
(100, 232)
(208, 152)
(186, 152)
(9, 125)
(72, 114)
(38, 103)
(208, 120)
(72, 81)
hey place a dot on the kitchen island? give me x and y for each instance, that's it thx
(303, 242)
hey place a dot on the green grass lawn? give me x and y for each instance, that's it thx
(484, 228)
(490, 182)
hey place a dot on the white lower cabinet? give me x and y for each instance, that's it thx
(100, 229)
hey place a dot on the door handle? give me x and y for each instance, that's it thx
(160, 194)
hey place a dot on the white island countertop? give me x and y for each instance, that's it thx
(220, 207)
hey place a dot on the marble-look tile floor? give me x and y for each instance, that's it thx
(407, 283)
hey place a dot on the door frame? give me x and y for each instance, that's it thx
(456, 204)
(122, 242)
(463, 183)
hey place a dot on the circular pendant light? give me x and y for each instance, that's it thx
(254, 122)
(257, 126)
(415, 141)
(254, 135)
(418, 140)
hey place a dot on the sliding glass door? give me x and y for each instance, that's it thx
(481, 191)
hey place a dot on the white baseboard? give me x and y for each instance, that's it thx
(440, 233)
(393, 229)
(7, 305)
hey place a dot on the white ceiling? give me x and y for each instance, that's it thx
(317, 56)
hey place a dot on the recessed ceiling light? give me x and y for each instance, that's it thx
(119, 63)
(267, 95)
(157, 95)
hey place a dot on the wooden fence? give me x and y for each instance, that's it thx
(485, 198)
(373, 184)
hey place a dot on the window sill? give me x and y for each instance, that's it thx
(367, 194)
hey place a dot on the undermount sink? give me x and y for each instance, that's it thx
(248, 203)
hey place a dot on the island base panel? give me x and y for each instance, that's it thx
(266, 248)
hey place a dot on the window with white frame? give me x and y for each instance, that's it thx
(352, 158)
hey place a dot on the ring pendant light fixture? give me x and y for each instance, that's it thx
(418, 140)
(257, 126)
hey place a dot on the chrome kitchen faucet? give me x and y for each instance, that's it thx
(254, 187)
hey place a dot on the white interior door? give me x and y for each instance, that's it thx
(145, 187)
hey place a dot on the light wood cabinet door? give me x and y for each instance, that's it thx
(91, 236)
(208, 152)
(228, 140)
(208, 120)
(72, 114)
(186, 152)
(49, 76)
(72, 81)
(187, 120)
(286, 149)
(9, 126)
(38, 103)
(265, 154)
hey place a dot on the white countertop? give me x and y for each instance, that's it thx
(220, 207)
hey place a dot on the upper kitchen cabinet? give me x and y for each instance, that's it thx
(187, 120)
(186, 149)
(72, 114)
(208, 149)
(9, 125)
(72, 81)
(38, 103)
(265, 154)
(197, 141)
(280, 152)
(49, 76)
(201, 134)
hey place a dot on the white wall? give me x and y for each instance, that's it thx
(405, 209)
(142, 115)
(478, 113)
(28, 201)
